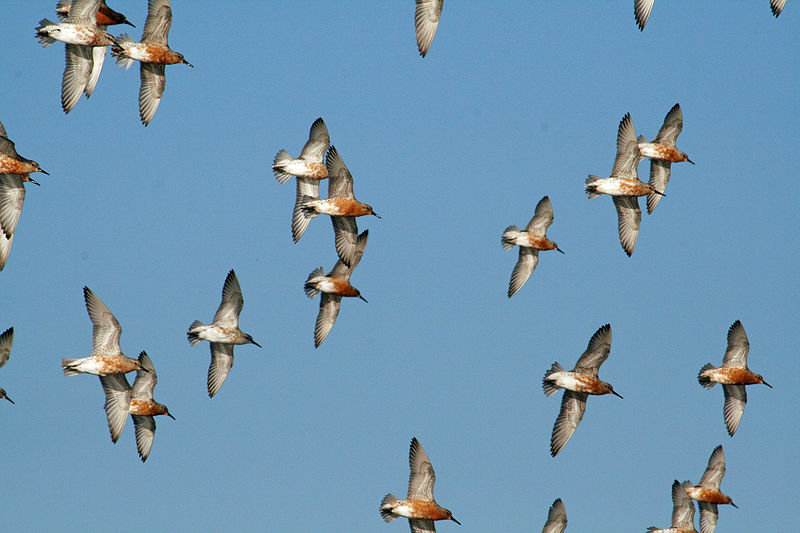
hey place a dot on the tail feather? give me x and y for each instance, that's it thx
(310, 285)
(549, 387)
(43, 37)
(591, 186)
(66, 366)
(703, 380)
(118, 51)
(386, 507)
(508, 237)
(194, 339)
(281, 158)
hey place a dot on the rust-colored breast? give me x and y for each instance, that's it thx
(540, 242)
(9, 165)
(668, 153)
(702, 494)
(146, 408)
(343, 288)
(108, 17)
(590, 384)
(112, 364)
(349, 207)
(316, 171)
(160, 54)
(634, 188)
(426, 510)
(734, 376)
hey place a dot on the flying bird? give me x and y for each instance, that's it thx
(122, 399)
(707, 492)
(623, 185)
(532, 239)
(333, 287)
(107, 357)
(6, 340)
(578, 385)
(419, 507)
(426, 22)
(662, 154)
(733, 375)
(223, 333)
(153, 53)
(682, 512)
(556, 518)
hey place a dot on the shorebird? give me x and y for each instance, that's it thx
(426, 21)
(733, 375)
(107, 357)
(105, 17)
(682, 512)
(662, 154)
(707, 492)
(530, 241)
(13, 163)
(578, 384)
(333, 287)
(309, 169)
(556, 518)
(623, 185)
(6, 340)
(153, 53)
(223, 333)
(84, 41)
(419, 507)
(122, 399)
(12, 193)
(341, 205)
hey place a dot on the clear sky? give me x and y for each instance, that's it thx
(515, 100)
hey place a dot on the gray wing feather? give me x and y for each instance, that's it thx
(6, 340)
(345, 231)
(708, 517)
(712, 477)
(83, 12)
(738, 347)
(232, 302)
(12, 196)
(158, 22)
(641, 10)
(77, 69)
(118, 402)
(340, 181)
(221, 364)
(145, 380)
(318, 142)
(682, 507)
(145, 433)
(659, 178)
(153, 82)
(596, 352)
(98, 58)
(556, 518)
(673, 124)
(426, 22)
(573, 405)
(328, 311)
(526, 264)
(629, 218)
(542, 217)
(421, 526)
(106, 330)
(735, 400)
(628, 155)
(422, 478)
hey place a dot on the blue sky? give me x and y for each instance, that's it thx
(512, 103)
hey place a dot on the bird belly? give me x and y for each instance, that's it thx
(730, 376)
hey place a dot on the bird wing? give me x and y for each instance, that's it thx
(738, 347)
(340, 181)
(556, 518)
(629, 217)
(573, 405)
(422, 477)
(106, 331)
(153, 81)
(426, 22)
(542, 217)
(671, 128)
(232, 302)
(6, 340)
(221, 364)
(735, 400)
(712, 476)
(118, 402)
(526, 264)
(145, 433)
(146, 379)
(157, 23)
(12, 196)
(596, 352)
(318, 142)
(329, 305)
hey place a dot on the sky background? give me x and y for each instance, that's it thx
(511, 104)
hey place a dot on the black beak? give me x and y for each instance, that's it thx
(690, 161)
(33, 181)
(765, 383)
(362, 298)
(454, 520)
(660, 193)
(167, 413)
(129, 23)
(615, 394)
(734, 505)
(44, 172)
(254, 342)
(10, 400)
(376, 214)
(560, 250)
(188, 63)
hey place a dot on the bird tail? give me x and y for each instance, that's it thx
(192, 334)
(302, 216)
(118, 51)
(509, 236)
(310, 286)
(386, 507)
(549, 387)
(67, 367)
(42, 35)
(591, 186)
(281, 158)
(703, 380)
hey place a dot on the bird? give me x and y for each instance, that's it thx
(83, 37)
(578, 384)
(682, 512)
(12, 194)
(556, 518)
(707, 492)
(623, 185)
(153, 53)
(107, 356)
(340, 204)
(309, 169)
(530, 241)
(733, 375)
(223, 333)
(662, 154)
(426, 21)
(13, 163)
(6, 340)
(333, 287)
(122, 399)
(419, 506)
(105, 17)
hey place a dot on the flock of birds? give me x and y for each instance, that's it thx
(83, 31)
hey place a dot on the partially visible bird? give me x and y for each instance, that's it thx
(122, 399)
(532, 239)
(707, 492)
(6, 340)
(223, 333)
(556, 518)
(578, 384)
(419, 506)
(682, 512)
